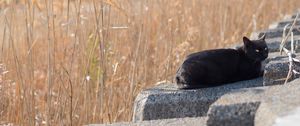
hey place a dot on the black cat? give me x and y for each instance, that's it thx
(220, 66)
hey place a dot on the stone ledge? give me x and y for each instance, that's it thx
(276, 70)
(242, 114)
(274, 43)
(265, 104)
(166, 101)
(260, 106)
(280, 101)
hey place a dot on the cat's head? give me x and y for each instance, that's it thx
(256, 50)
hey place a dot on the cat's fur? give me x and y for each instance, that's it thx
(220, 66)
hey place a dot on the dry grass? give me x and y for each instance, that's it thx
(74, 62)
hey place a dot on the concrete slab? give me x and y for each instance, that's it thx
(278, 103)
(276, 69)
(260, 106)
(242, 114)
(166, 101)
(274, 43)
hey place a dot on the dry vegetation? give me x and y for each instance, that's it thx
(73, 62)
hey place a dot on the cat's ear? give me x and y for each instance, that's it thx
(263, 37)
(246, 41)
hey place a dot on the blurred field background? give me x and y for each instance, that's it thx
(74, 62)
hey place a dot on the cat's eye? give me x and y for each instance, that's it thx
(266, 49)
(257, 50)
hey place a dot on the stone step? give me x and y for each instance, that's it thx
(166, 101)
(163, 122)
(274, 43)
(233, 115)
(276, 69)
(261, 106)
(236, 108)
(273, 33)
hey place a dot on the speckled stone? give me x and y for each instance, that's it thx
(276, 70)
(278, 102)
(242, 114)
(259, 106)
(166, 101)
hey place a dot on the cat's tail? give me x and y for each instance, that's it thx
(181, 83)
(180, 80)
